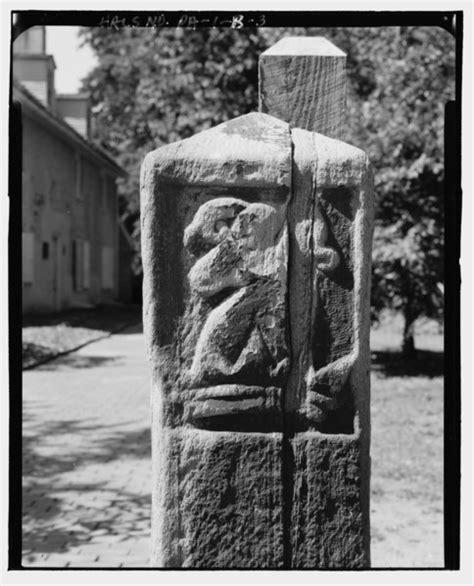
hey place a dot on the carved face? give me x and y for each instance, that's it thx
(238, 344)
(236, 243)
(211, 224)
(256, 226)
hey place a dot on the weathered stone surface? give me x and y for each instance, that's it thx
(215, 251)
(328, 529)
(218, 500)
(327, 432)
(302, 80)
(256, 254)
(234, 327)
(330, 218)
(215, 256)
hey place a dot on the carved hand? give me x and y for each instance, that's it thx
(324, 387)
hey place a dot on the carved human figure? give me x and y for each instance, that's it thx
(242, 264)
(242, 250)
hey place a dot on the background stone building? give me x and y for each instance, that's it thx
(75, 253)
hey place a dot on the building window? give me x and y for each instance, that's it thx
(45, 250)
(28, 256)
(107, 267)
(80, 264)
(86, 267)
(75, 284)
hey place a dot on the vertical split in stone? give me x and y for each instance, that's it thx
(328, 386)
(302, 81)
(287, 491)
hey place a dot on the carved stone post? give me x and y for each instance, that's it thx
(256, 255)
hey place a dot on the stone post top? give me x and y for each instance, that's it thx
(318, 46)
(253, 149)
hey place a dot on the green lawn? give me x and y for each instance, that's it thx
(407, 449)
(44, 336)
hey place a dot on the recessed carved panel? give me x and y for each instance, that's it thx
(258, 290)
(235, 338)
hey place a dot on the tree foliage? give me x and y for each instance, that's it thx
(397, 116)
(155, 86)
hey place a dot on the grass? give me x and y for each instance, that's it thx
(407, 448)
(44, 336)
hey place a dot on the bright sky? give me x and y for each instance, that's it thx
(72, 61)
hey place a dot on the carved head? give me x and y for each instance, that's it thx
(211, 224)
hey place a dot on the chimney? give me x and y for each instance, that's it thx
(31, 42)
(33, 67)
(75, 110)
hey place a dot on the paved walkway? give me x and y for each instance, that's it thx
(87, 472)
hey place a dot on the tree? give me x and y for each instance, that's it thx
(154, 86)
(408, 270)
(403, 86)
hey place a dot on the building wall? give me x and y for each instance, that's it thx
(69, 206)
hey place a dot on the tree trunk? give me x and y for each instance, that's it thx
(408, 345)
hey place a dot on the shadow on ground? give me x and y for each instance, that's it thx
(36, 353)
(45, 535)
(113, 444)
(424, 363)
(77, 361)
(134, 329)
(49, 523)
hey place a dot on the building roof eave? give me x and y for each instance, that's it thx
(63, 128)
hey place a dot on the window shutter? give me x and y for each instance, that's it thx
(107, 267)
(79, 271)
(87, 264)
(28, 256)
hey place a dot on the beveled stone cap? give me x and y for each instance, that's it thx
(314, 46)
(251, 150)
